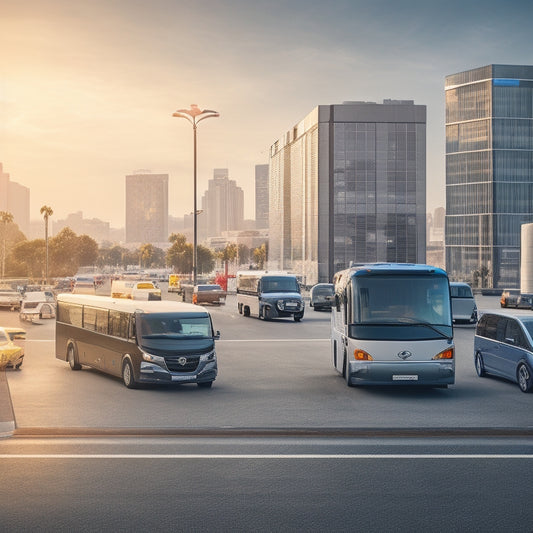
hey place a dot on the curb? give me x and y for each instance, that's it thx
(7, 415)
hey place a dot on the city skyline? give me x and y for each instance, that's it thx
(89, 89)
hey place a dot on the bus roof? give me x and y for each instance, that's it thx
(396, 268)
(130, 306)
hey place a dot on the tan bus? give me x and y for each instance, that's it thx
(139, 341)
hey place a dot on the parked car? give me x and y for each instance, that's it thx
(10, 299)
(321, 296)
(503, 346)
(510, 298)
(38, 304)
(11, 347)
(464, 308)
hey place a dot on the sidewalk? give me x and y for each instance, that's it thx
(7, 416)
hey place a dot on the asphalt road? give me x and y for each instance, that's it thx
(271, 375)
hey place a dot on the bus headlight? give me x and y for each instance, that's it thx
(154, 359)
(446, 354)
(208, 357)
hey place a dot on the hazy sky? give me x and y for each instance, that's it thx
(88, 87)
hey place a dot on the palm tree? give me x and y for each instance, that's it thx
(46, 212)
(6, 219)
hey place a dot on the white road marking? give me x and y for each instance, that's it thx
(265, 456)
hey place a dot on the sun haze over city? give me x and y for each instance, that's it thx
(88, 88)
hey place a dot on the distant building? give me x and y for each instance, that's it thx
(147, 208)
(489, 171)
(93, 227)
(348, 184)
(261, 196)
(222, 206)
(15, 199)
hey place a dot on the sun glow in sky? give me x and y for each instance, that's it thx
(87, 89)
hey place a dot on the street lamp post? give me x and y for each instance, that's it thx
(194, 115)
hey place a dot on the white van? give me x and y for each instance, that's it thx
(38, 304)
(464, 308)
(269, 295)
(135, 290)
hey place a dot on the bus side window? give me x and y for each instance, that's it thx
(133, 328)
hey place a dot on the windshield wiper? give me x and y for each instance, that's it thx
(406, 321)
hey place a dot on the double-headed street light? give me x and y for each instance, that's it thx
(195, 115)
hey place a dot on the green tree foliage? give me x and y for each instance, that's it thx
(179, 255)
(260, 256)
(87, 250)
(206, 260)
(27, 259)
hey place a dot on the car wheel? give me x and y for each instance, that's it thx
(480, 369)
(17, 367)
(127, 375)
(72, 359)
(525, 382)
(205, 384)
(297, 318)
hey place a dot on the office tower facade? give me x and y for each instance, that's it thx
(348, 184)
(15, 199)
(222, 206)
(147, 208)
(261, 196)
(489, 171)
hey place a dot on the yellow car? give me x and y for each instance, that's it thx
(11, 352)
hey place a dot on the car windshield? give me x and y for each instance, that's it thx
(460, 291)
(3, 338)
(156, 325)
(323, 290)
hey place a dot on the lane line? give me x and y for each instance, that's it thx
(273, 340)
(265, 456)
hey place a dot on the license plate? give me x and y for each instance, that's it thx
(404, 377)
(291, 304)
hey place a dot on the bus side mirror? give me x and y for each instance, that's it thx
(337, 303)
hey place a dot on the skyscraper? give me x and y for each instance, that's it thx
(489, 171)
(348, 184)
(147, 208)
(222, 205)
(15, 199)
(261, 196)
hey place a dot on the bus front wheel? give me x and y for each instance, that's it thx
(127, 375)
(71, 358)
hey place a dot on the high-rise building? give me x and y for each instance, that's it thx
(489, 171)
(93, 227)
(222, 206)
(348, 184)
(15, 199)
(261, 196)
(147, 208)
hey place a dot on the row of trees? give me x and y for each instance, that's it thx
(63, 254)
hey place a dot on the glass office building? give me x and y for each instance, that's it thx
(348, 185)
(489, 172)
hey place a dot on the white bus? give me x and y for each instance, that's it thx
(139, 341)
(391, 324)
(269, 295)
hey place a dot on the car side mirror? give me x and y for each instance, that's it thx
(216, 336)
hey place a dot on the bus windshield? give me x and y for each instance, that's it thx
(419, 304)
(279, 284)
(154, 325)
